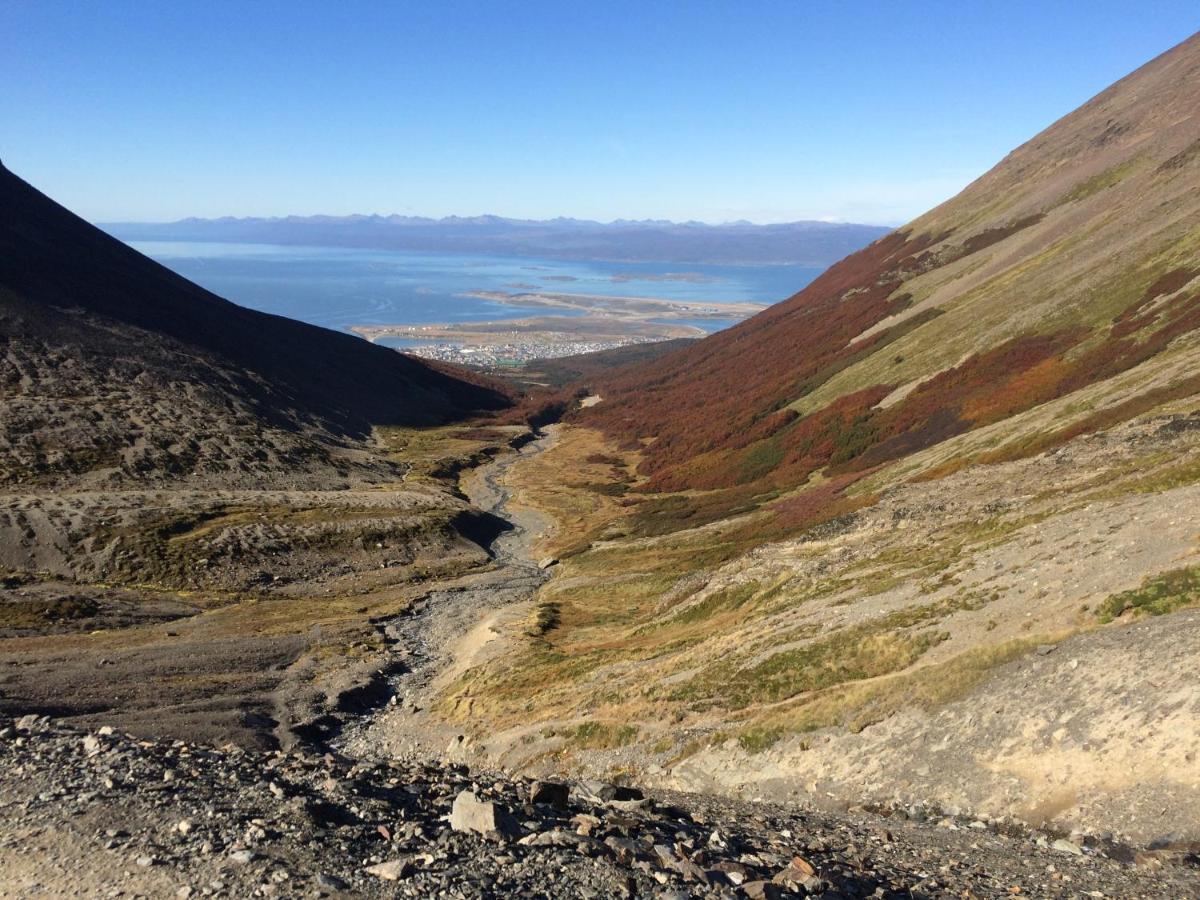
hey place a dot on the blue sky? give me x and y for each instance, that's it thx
(768, 111)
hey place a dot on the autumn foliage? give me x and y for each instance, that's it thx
(715, 415)
(727, 391)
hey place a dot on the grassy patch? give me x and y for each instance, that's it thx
(546, 616)
(859, 704)
(1157, 596)
(1097, 183)
(668, 513)
(440, 454)
(597, 735)
(726, 600)
(37, 613)
(760, 459)
(757, 740)
(852, 654)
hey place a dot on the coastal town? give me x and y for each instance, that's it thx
(515, 353)
(578, 323)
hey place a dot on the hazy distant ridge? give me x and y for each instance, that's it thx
(796, 243)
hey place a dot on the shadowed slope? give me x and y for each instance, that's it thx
(106, 351)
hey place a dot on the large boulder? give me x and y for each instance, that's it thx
(472, 815)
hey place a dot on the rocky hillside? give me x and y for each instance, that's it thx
(113, 367)
(928, 531)
(202, 506)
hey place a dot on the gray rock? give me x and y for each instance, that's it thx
(813, 884)
(331, 882)
(691, 872)
(603, 792)
(556, 837)
(795, 876)
(735, 872)
(624, 849)
(472, 815)
(392, 870)
(629, 805)
(584, 823)
(1064, 846)
(666, 856)
(340, 812)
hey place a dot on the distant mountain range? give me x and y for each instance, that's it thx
(649, 240)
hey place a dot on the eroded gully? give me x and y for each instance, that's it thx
(452, 628)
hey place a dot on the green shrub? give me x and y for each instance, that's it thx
(756, 740)
(1157, 596)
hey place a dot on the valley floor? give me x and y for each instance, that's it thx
(955, 638)
(408, 675)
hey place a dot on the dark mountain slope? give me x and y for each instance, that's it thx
(1068, 269)
(110, 360)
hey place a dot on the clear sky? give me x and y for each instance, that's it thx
(768, 111)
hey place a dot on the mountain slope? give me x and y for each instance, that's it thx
(202, 507)
(1066, 268)
(113, 362)
(926, 535)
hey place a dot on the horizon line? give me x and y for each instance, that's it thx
(495, 216)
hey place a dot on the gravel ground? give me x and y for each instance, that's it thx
(102, 814)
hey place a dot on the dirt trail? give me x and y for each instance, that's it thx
(456, 626)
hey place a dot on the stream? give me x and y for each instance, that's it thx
(441, 634)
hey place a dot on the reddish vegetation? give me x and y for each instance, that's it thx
(1030, 370)
(990, 236)
(538, 408)
(808, 509)
(836, 433)
(1182, 159)
(1033, 369)
(1105, 418)
(717, 414)
(662, 515)
(985, 388)
(717, 394)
